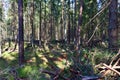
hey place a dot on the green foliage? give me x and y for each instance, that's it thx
(41, 59)
(23, 72)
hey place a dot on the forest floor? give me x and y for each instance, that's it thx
(55, 62)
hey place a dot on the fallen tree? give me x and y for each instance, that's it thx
(114, 66)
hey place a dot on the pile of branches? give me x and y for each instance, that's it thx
(113, 68)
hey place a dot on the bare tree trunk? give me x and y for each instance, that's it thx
(68, 31)
(0, 43)
(75, 9)
(113, 28)
(1, 28)
(40, 20)
(77, 43)
(62, 20)
(45, 24)
(21, 32)
(32, 23)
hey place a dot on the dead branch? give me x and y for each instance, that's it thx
(112, 69)
(104, 68)
(103, 8)
(93, 33)
(117, 62)
(115, 57)
(116, 67)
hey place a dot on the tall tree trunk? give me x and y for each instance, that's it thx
(72, 21)
(51, 22)
(32, 23)
(21, 32)
(45, 24)
(78, 41)
(15, 37)
(113, 28)
(68, 32)
(0, 42)
(0, 28)
(75, 9)
(62, 20)
(40, 20)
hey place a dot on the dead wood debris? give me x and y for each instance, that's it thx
(114, 66)
(58, 75)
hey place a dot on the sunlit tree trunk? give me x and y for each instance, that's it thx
(113, 28)
(21, 32)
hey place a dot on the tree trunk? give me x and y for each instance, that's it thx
(75, 9)
(77, 47)
(45, 24)
(0, 43)
(32, 23)
(113, 28)
(1, 28)
(68, 32)
(40, 20)
(51, 20)
(21, 32)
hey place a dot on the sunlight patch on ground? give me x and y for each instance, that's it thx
(43, 58)
(33, 59)
(9, 56)
(62, 64)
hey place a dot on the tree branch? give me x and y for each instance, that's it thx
(110, 68)
(104, 7)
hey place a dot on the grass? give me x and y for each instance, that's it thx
(52, 59)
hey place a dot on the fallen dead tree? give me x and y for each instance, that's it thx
(113, 67)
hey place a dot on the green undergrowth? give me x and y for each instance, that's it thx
(54, 59)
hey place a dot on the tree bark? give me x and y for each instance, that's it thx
(77, 42)
(40, 20)
(113, 28)
(21, 32)
(32, 23)
(1, 28)
(51, 20)
(62, 21)
(0, 42)
(68, 31)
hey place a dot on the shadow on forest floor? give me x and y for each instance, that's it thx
(53, 62)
